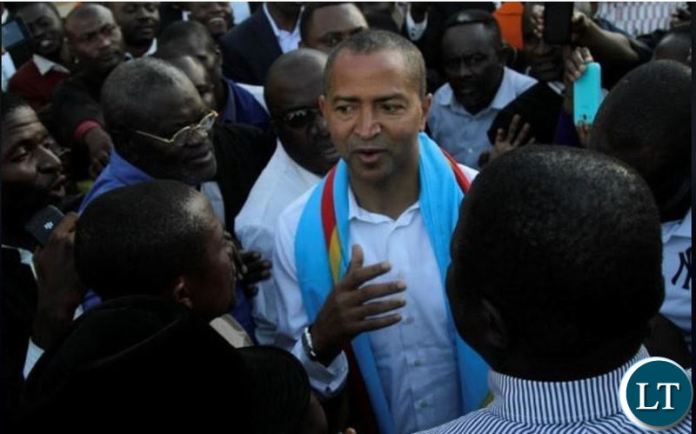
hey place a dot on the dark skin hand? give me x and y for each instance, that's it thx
(508, 140)
(254, 269)
(349, 309)
(99, 146)
(59, 288)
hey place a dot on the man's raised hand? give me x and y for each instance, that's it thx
(349, 309)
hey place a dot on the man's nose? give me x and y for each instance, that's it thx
(48, 160)
(367, 125)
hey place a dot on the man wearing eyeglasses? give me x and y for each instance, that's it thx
(96, 41)
(161, 130)
(304, 153)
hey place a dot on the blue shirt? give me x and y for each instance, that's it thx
(242, 108)
(121, 173)
(588, 406)
(462, 134)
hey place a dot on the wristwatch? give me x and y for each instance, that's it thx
(307, 344)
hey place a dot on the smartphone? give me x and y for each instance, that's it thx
(587, 94)
(14, 33)
(43, 222)
(557, 22)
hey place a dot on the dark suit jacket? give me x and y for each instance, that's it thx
(242, 152)
(17, 308)
(249, 49)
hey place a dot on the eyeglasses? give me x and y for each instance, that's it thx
(299, 118)
(181, 137)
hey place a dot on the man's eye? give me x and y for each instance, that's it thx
(344, 109)
(391, 108)
(20, 154)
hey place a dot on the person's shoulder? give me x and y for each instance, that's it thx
(290, 216)
(246, 28)
(519, 79)
(477, 422)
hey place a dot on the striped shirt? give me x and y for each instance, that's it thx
(589, 406)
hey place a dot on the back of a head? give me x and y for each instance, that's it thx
(138, 239)
(372, 41)
(645, 121)
(125, 92)
(565, 243)
(675, 45)
(475, 16)
(170, 41)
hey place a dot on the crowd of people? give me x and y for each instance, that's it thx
(340, 217)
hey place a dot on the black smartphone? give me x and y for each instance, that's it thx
(14, 33)
(43, 222)
(557, 22)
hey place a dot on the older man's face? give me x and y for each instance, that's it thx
(375, 111)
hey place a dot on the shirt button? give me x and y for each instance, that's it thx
(408, 319)
(423, 404)
(417, 363)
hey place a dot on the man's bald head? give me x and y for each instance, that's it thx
(94, 38)
(287, 71)
(293, 86)
(82, 14)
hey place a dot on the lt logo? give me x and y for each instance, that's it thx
(656, 393)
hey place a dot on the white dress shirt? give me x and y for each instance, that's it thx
(44, 65)
(281, 182)
(465, 135)
(287, 41)
(416, 358)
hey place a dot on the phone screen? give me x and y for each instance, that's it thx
(557, 22)
(13, 34)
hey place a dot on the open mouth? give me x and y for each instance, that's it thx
(369, 156)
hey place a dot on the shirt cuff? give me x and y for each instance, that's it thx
(34, 352)
(84, 127)
(415, 30)
(327, 381)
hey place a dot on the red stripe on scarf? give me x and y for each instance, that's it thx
(328, 216)
(462, 180)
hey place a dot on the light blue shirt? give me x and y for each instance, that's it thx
(676, 269)
(588, 406)
(463, 135)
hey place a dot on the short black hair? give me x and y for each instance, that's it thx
(372, 41)
(566, 244)
(308, 14)
(128, 85)
(10, 103)
(24, 5)
(645, 121)
(474, 16)
(168, 41)
(136, 240)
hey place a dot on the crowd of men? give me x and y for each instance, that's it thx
(340, 217)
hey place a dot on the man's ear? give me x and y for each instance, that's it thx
(496, 333)
(426, 104)
(323, 105)
(182, 293)
(507, 54)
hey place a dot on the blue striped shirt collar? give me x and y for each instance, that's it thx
(548, 402)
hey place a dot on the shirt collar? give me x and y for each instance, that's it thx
(124, 171)
(554, 402)
(358, 213)
(5, 14)
(677, 228)
(276, 31)
(150, 51)
(505, 94)
(229, 113)
(303, 174)
(44, 65)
